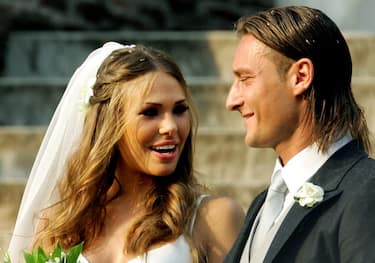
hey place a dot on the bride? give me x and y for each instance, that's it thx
(115, 171)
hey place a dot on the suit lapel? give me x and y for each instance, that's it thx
(328, 177)
(238, 247)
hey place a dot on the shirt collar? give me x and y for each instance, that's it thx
(306, 163)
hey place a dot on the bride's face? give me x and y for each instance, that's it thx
(157, 128)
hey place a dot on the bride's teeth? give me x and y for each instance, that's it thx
(165, 147)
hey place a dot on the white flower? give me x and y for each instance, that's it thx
(6, 258)
(86, 93)
(309, 194)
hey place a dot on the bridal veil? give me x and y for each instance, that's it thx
(60, 140)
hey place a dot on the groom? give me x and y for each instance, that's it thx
(292, 87)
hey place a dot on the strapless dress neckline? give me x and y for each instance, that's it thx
(177, 250)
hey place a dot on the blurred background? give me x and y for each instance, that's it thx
(43, 41)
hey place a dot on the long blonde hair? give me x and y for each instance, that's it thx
(90, 172)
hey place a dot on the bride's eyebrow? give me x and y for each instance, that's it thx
(180, 101)
(159, 104)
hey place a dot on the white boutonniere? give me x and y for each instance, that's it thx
(309, 194)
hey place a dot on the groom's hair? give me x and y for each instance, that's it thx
(296, 32)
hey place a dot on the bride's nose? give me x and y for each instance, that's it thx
(168, 125)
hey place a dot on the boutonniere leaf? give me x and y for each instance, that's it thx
(309, 195)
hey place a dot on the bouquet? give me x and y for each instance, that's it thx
(57, 256)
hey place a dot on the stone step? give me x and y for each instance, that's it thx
(199, 53)
(222, 158)
(32, 101)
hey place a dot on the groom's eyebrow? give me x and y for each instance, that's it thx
(242, 70)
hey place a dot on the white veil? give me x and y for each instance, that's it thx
(60, 139)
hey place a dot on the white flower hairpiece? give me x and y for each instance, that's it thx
(86, 93)
(309, 194)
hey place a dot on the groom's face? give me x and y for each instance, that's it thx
(262, 94)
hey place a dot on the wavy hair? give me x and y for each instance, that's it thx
(90, 173)
(297, 32)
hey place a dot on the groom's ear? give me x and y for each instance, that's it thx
(302, 72)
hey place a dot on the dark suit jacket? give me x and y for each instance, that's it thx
(339, 229)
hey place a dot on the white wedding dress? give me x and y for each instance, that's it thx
(176, 251)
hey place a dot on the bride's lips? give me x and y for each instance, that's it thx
(165, 151)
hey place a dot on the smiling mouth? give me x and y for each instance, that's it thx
(164, 148)
(249, 115)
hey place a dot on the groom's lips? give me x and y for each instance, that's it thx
(247, 115)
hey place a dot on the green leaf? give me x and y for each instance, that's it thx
(28, 257)
(41, 253)
(39, 256)
(74, 253)
(57, 252)
(35, 256)
(42, 257)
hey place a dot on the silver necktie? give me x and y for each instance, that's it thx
(272, 207)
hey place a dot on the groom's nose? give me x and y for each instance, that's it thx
(234, 99)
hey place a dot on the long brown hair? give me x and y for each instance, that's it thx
(90, 172)
(297, 32)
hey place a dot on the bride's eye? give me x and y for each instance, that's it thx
(180, 109)
(149, 112)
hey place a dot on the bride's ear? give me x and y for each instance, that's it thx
(302, 75)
